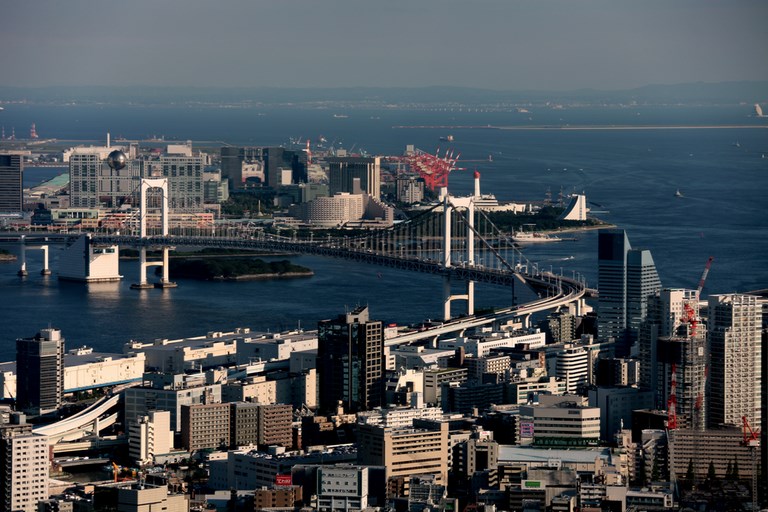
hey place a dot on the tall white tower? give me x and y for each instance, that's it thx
(24, 465)
(734, 330)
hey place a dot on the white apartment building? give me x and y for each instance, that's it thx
(25, 467)
(562, 420)
(523, 391)
(572, 367)
(734, 329)
(398, 417)
(149, 436)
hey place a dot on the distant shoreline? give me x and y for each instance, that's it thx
(587, 127)
(579, 228)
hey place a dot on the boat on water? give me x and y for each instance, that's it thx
(678, 193)
(340, 116)
(447, 138)
(532, 237)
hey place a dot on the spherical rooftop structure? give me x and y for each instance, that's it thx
(116, 160)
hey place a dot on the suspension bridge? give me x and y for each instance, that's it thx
(451, 239)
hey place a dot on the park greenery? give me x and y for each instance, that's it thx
(234, 268)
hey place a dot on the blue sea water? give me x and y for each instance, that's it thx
(629, 174)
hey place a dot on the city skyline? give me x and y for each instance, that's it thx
(553, 45)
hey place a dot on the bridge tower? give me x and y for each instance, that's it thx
(148, 184)
(449, 205)
(46, 271)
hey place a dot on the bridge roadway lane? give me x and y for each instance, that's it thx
(554, 291)
(539, 282)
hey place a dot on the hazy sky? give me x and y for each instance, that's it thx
(495, 44)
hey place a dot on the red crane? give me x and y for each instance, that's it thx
(751, 439)
(689, 317)
(434, 169)
(704, 275)
(672, 401)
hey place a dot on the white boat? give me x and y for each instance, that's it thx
(531, 237)
(678, 193)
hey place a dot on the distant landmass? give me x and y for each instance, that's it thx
(687, 93)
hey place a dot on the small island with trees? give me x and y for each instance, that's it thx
(6, 257)
(236, 269)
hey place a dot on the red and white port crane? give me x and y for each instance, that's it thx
(434, 169)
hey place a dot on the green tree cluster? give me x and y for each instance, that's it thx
(209, 269)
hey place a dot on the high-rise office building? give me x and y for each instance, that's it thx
(277, 160)
(626, 278)
(232, 161)
(347, 173)
(93, 183)
(734, 332)
(350, 362)
(24, 466)
(642, 282)
(184, 171)
(11, 172)
(612, 249)
(40, 371)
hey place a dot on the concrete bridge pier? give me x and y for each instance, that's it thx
(448, 297)
(143, 284)
(23, 259)
(144, 265)
(165, 281)
(46, 271)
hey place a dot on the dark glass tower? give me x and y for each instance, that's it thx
(350, 362)
(612, 249)
(626, 278)
(40, 371)
(11, 170)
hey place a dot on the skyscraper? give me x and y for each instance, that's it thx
(642, 282)
(11, 172)
(626, 278)
(350, 362)
(344, 172)
(184, 171)
(612, 248)
(735, 344)
(40, 371)
(232, 166)
(23, 466)
(277, 158)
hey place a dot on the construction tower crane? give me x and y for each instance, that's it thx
(751, 439)
(704, 276)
